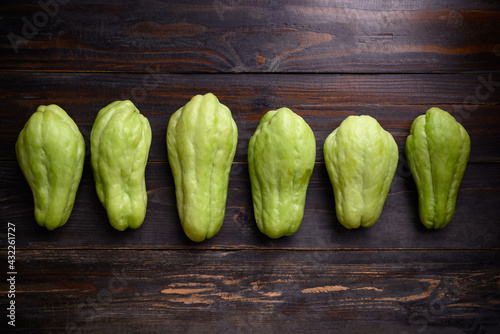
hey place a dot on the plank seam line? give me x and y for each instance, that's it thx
(228, 249)
(34, 71)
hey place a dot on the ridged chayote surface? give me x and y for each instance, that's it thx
(281, 157)
(120, 142)
(361, 159)
(437, 149)
(50, 151)
(201, 143)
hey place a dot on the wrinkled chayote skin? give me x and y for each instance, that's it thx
(437, 150)
(201, 143)
(119, 143)
(361, 159)
(50, 151)
(281, 157)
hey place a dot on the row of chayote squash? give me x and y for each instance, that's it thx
(360, 156)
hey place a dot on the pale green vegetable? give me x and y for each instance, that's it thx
(361, 159)
(120, 142)
(201, 143)
(50, 151)
(281, 157)
(437, 149)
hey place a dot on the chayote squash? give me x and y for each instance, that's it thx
(281, 157)
(201, 143)
(120, 142)
(437, 149)
(50, 151)
(361, 159)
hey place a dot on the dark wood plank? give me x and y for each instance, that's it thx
(256, 36)
(474, 225)
(324, 101)
(257, 291)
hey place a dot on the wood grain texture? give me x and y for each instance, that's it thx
(251, 36)
(257, 291)
(324, 101)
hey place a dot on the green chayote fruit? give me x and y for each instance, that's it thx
(119, 143)
(50, 151)
(201, 143)
(361, 159)
(281, 157)
(437, 149)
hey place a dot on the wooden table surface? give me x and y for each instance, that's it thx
(325, 60)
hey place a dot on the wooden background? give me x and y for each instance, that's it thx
(323, 59)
